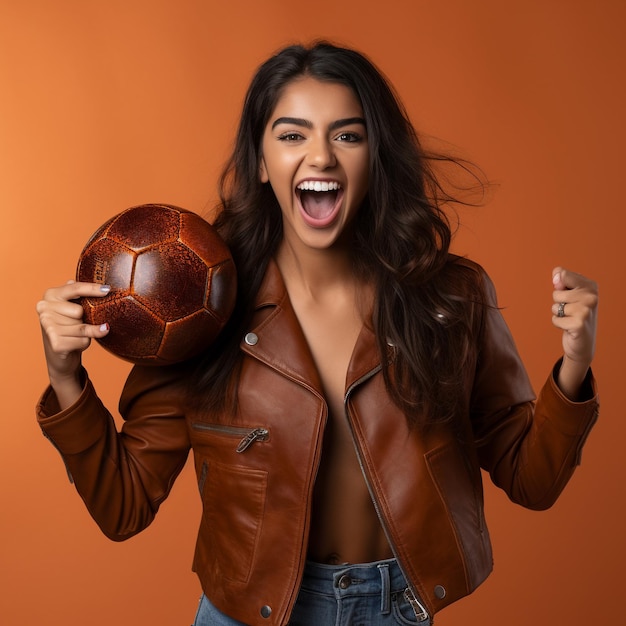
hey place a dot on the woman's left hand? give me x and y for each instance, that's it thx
(575, 312)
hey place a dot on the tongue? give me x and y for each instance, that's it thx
(318, 204)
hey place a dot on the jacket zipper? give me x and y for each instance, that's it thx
(410, 595)
(248, 436)
(317, 394)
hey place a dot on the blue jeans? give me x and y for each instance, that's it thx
(369, 594)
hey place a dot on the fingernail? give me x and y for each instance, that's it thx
(104, 327)
(556, 279)
(105, 288)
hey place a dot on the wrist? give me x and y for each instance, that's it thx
(67, 388)
(571, 377)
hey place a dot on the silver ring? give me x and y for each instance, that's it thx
(561, 311)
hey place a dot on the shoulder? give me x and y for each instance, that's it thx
(466, 275)
(466, 285)
(156, 382)
(455, 260)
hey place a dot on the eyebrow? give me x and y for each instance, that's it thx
(298, 121)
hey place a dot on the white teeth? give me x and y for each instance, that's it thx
(318, 185)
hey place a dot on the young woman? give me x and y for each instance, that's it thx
(340, 422)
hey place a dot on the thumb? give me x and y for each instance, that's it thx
(557, 279)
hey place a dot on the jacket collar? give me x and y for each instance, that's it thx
(276, 338)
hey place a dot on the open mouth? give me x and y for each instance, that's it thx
(320, 201)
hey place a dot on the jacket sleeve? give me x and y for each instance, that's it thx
(530, 447)
(122, 476)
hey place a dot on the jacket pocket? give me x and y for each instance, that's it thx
(461, 493)
(233, 485)
(233, 501)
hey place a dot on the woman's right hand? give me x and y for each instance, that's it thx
(66, 336)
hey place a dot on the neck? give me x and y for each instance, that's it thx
(314, 272)
(324, 280)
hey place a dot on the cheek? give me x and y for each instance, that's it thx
(274, 163)
(276, 176)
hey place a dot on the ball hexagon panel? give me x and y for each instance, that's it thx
(107, 262)
(220, 294)
(142, 226)
(170, 280)
(182, 335)
(141, 331)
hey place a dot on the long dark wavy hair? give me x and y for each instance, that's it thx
(400, 242)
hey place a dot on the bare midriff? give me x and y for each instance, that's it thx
(345, 527)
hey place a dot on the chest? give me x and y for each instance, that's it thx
(331, 332)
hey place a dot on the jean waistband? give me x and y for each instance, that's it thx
(354, 578)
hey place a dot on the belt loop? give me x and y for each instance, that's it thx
(385, 589)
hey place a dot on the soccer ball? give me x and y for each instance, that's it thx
(173, 283)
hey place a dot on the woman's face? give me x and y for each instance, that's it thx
(315, 155)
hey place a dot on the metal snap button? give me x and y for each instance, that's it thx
(266, 611)
(251, 339)
(440, 592)
(344, 582)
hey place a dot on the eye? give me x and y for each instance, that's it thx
(290, 136)
(349, 137)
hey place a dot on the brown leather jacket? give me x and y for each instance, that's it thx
(256, 468)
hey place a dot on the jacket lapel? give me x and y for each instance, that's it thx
(276, 338)
(365, 359)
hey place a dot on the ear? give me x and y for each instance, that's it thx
(263, 177)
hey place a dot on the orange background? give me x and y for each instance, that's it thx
(104, 105)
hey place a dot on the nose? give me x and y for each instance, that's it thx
(321, 154)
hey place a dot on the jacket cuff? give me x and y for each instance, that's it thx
(569, 417)
(76, 428)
